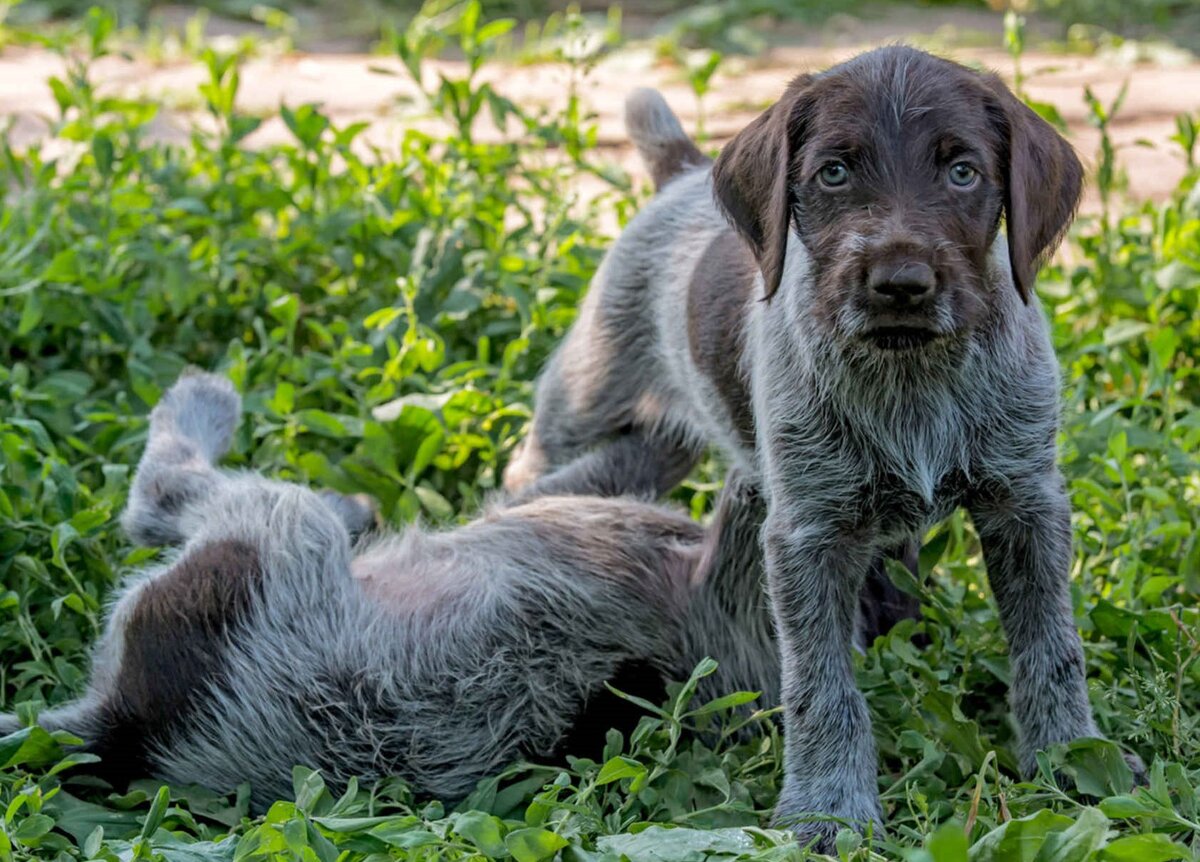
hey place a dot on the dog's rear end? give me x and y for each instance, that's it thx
(605, 422)
(167, 631)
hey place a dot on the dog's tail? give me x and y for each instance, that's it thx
(659, 137)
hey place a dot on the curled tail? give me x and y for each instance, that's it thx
(659, 137)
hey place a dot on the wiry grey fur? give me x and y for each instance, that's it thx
(854, 449)
(438, 657)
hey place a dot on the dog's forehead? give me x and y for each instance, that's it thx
(895, 92)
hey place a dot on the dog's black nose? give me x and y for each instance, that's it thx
(901, 284)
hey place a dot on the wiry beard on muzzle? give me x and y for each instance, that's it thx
(857, 362)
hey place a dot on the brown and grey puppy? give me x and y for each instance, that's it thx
(834, 304)
(268, 641)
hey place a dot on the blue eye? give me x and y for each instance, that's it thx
(834, 174)
(962, 175)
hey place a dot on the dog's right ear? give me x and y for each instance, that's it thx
(1043, 180)
(750, 181)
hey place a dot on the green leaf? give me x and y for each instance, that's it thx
(729, 701)
(63, 95)
(31, 312)
(947, 844)
(433, 502)
(33, 828)
(617, 768)
(1078, 841)
(158, 811)
(533, 844)
(29, 746)
(1147, 847)
(1098, 768)
(285, 309)
(484, 831)
(1127, 807)
(1123, 331)
(308, 786)
(79, 818)
(1018, 840)
(661, 844)
(91, 844)
(102, 152)
(406, 837)
(327, 424)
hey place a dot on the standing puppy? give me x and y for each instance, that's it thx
(834, 304)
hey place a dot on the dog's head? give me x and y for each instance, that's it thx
(894, 168)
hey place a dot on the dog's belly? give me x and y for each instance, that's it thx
(418, 574)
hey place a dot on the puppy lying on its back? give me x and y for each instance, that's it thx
(268, 642)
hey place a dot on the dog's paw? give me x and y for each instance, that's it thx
(202, 408)
(358, 512)
(820, 836)
(816, 823)
(1138, 768)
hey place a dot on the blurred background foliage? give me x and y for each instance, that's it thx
(704, 24)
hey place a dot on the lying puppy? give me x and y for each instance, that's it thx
(439, 657)
(834, 305)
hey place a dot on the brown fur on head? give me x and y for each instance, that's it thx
(894, 168)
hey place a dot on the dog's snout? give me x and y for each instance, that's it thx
(901, 283)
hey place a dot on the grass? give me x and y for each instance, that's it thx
(431, 281)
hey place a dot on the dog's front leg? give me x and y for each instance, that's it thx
(814, 573)
(1025, 528)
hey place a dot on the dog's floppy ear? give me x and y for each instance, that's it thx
(750, 182)
(1042, 183)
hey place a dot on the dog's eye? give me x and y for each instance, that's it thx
(962, 174)
(834, 174)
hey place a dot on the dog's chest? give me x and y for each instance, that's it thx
(894, 506)
(899, 470)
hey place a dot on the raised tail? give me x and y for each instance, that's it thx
(659, 137)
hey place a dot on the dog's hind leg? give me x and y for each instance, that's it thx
(190, 428)
(179, 496)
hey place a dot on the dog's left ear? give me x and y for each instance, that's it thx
(750, 182)
(1042, 184)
